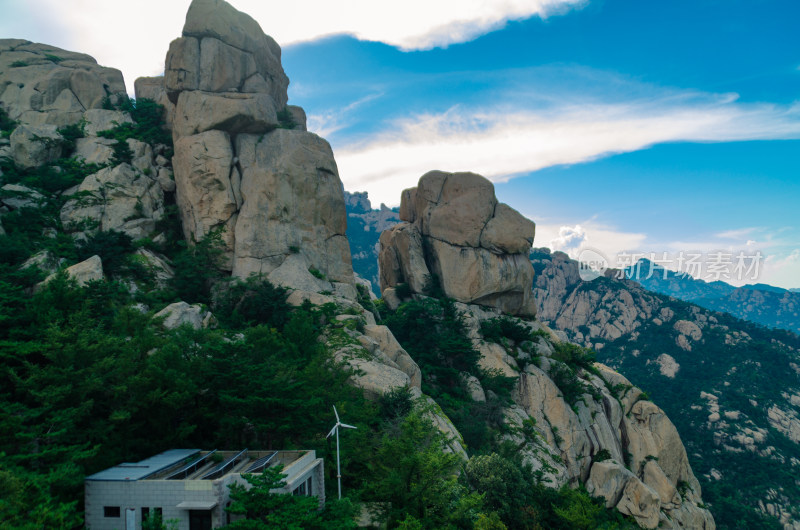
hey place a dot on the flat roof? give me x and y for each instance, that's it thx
(145, 468)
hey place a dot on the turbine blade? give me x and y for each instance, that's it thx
(347, 426)
(332, 431)
(337, 414)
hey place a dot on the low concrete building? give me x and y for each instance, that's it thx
(190, 486)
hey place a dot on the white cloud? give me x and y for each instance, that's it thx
(135, 36)
(503, 143)
(409, 25)
(569, 237)
(588, 234)
(778, 260)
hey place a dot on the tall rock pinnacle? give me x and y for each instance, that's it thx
(243, 159)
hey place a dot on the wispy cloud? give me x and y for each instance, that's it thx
(136, 39)
(409, 25)
(334, 120)
(501, 143)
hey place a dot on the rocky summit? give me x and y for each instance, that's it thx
(458, 235)
(244, 163)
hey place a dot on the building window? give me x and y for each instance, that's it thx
(304, 489)
(145, 513)
(110, 511)
(300, 490)
(159, 512)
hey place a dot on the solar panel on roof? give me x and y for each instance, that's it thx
(229, 463)
(261, 462)
(145, 468)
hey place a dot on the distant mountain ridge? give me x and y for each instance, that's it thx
(761, 303)
(364, 227)
(732, 387)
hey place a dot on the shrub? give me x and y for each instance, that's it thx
(574, 355)
(403, 291)
(396, 403)
(601, 456)
(197, 268)
(286, 120)
(254, 301)
(496, 329)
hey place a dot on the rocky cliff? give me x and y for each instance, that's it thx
(731, 386)
(576, 423)
(244, 163)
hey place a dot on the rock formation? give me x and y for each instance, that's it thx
(41, 84)
(457, 232)
(613, 440)
(243, 161)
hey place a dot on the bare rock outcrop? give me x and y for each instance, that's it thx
(41, 84)
(243, 161)
(456, 231)
(621, 446)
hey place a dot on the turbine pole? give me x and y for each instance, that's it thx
(338, 468)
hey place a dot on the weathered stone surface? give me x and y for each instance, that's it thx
(202, 166)
(294, 273)
(182, 69)
(84, 272)
(15, 196)
(166, 180)
(218, 20)
(471, 274)
(181, 313)
(231, 112)
(372, 375)
(118, 198)
(52, 91)
(475, 247)
(392, 349)
(654, 477)
(292, 203)
(298, 117)
(607, 479)
(402, 259)
(465, 203)
(652, 434)
(95, 150)
(156, 264)
(473, 387)
(102, 120)
(223, 68)
(508, 232)
(641, 503)
(35, 145)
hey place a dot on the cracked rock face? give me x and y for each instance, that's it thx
(272, 187)
(456, 230)
(41, 84)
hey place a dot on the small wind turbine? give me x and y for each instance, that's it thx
(336, 430)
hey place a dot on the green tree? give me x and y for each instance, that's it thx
(415, 475)
(263, 509)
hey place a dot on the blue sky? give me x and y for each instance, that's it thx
(621, 125)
